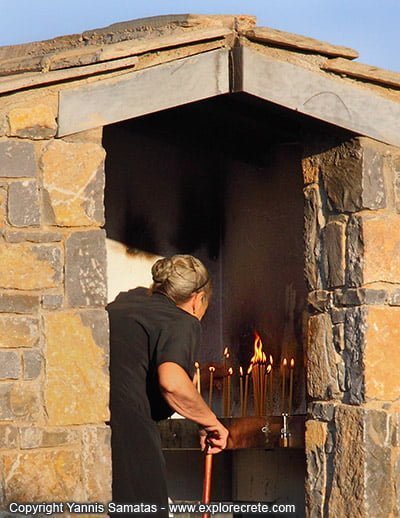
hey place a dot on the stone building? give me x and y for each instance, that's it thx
(282, 104)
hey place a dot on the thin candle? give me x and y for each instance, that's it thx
(241, 391)
(291, 385)
(224, 380)
(197, 366)
(246, 389)
(267, 373)
(284, 365)
(210, 390)
(228, 397)
(271, 384)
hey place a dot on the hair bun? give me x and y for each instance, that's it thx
(162, 270)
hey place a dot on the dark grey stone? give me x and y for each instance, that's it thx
(85, 269)
(33, 363)
(21, 236)
(18, 303)
(359, 296)
(334, 252)
(23, 208)
(337, 315)
(17, 159)
(394, 297)
(97, 321)
(373, 185)
(10, 365)
(5, 407)
(8, 436)
(52, 300)
(312, 237)
(320, 300)
(94, 195)
(353, 355)
(322, 411)
(355, 252)
(353, 177)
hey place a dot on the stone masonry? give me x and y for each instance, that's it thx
(352, 239)
(54, 443)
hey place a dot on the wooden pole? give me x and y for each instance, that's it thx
(207, 480)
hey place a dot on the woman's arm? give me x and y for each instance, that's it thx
(182, 396)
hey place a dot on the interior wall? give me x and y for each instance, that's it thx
(219, 180)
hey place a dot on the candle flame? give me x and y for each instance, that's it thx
(197, 365)
(292, 363)
(211, 369)
(271, 360)
(230, 371)
(226, 351)
(241, 371)
(269, 368)
(259, 355)
(250, 369)
(284, 363)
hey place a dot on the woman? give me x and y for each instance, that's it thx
(154, 337)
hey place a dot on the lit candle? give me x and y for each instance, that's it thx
(271, 384)
(291, 386)
(197, 366)
(246, 390)
(210, 390)
(284, 365)
(267, 373)
(228, 397)
(241, 391)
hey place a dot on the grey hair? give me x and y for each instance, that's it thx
(179, 277)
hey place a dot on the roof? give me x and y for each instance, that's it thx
(105, 49)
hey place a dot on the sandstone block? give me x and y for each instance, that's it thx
(11, 302)
(96, 456)
(10, 365)
(310, 168)
(85, 269)
(35, 437)
(25, 400)
(381, 236)
(320, 300)
(353, 176)
(347, 496)
(36, 121)
(382, 353)
(30, 266)
(73, 183)
(395, 162)
(76, 385)
(18, 331)
(8, 436)
(59, 480)
(322, 359)
(334, 244)
(23, 203)
(313, 223)
(17, 159)
(33, 363)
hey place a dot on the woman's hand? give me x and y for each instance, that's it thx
(216, 436)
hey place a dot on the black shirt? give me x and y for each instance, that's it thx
(147, 330)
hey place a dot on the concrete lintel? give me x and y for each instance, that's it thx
(145, 91)
(328, 99)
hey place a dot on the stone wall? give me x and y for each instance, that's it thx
(352, 223)
(54, 444)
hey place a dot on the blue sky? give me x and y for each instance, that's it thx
(370, 26)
